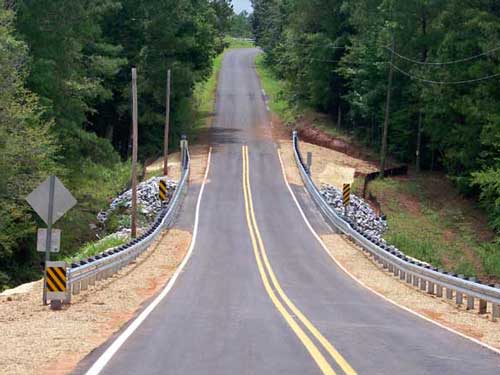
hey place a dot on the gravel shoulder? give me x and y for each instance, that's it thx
(36, 340)
(373, 276)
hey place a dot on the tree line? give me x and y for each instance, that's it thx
(65, 101)
(336, 57)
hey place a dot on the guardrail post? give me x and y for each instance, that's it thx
(495, 312)
(430, 288)
(439, 290)
(415, 281)
(402, 275)
(449, 293)
(408, 278)
(459, 298)
(482, 306)
(423, 284)
(470, 303)
(76, 287)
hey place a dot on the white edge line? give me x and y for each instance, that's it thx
(318, 238)
(105, 357)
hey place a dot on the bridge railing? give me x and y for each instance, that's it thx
(419, 274)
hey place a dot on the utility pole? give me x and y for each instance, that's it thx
(339, 116)
(134, 154)
(167, 124)
(383, 153)
(419, 141)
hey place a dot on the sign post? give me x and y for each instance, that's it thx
(51, 200)
(346, 194)
(162, 190)
(48, 240)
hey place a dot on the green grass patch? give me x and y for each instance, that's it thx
(276, 91)
(427, 220)
(96, 247)
(234, 43)
(204, 92)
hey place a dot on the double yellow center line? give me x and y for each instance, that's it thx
(278, 296)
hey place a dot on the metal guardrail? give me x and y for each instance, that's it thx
(419, 274)
(88, 271)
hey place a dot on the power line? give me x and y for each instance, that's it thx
(444, 82)
(324, 60)
(444, 62)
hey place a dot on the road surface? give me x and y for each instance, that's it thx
(259, 295)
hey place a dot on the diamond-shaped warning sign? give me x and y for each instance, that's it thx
(39, 200)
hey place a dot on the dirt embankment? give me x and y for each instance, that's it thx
(36, 340)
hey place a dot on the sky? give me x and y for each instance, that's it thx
(240, 5)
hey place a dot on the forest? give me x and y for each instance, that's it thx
(438, 59)
(65, 103)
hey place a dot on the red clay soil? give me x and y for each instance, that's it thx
(318, 137)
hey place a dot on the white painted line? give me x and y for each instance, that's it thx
(318, 238)
(103, 360)
(263, 92)
(267, 107)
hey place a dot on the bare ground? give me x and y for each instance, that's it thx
(364, 269)
(330, 166)
(36, 340)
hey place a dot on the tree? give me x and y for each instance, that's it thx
(241, 25)
(28, 153)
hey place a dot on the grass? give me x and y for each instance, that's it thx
(430, 221)
(204, 92)
(96, 247)
(239, 43)
(275, 90)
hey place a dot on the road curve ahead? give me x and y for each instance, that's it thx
(259, 295)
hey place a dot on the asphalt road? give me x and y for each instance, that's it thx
(259, 295)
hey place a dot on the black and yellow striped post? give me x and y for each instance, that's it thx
(162, 190)
(56, 277)
(346, 194)
(56, 284)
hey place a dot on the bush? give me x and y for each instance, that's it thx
(489, 182)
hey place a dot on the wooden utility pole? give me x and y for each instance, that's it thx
(134, 154)
(167, 124)
(339, 116)
(419, 142)
(383, 152)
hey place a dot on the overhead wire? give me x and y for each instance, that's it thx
(421, 79)
(443, 82)
(435, 63)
